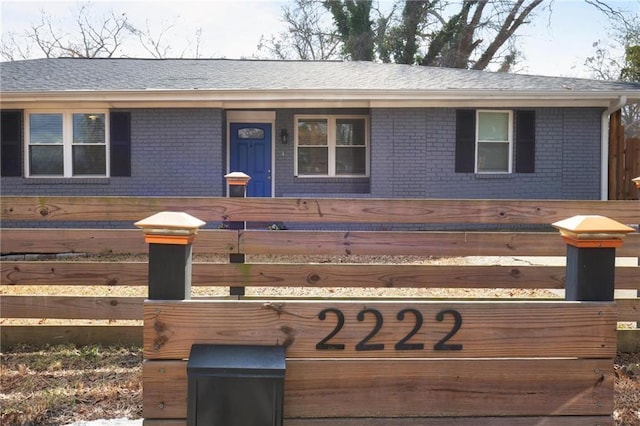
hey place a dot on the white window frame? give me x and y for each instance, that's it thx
(331, 143)
(67, 142)
(509, 141)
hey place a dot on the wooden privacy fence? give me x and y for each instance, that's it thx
(379, 214)
(363, 361)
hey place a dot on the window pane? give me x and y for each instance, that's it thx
(493, 157)
(493, 126)
(313, 161)
(312, 132)
(250, 133)
(351, 161)
(45, 128)
(45, 160)
(350, 132)
(88, 128)
(89, 160)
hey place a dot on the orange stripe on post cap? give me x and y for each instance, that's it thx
(169, 239)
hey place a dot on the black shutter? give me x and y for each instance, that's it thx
(120, 143)
(525, 141)
(465, 140)
(11, 143)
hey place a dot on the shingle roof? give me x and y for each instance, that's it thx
(48, 75)
(211, 79)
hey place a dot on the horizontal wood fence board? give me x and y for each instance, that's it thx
(425, 243)
(628, 309)
(68, 240)
(75, 273)
(80, 335)
(71, 307)
(103, 241)
(325, 210)
(410, 388)
(42, 334)
(431, 421)
(129, 308)
(314, 275)
(486, 329)
(458, 421)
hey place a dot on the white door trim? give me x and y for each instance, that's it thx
(262, 117)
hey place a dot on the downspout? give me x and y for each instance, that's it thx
(604, 156)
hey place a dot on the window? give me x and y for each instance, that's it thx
(493, 139)
(485, 141)
(67, 144)
(332, 146)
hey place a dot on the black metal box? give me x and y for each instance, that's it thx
(235, 385)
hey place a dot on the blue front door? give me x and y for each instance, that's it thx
(250, 153)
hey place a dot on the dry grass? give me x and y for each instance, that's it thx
(60, 384)
(627, 390)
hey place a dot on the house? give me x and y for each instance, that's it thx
(175, 127)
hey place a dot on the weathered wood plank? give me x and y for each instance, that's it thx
(628, 309)
(103, 241)
(304, 242)
(72, 307)
(457, 421)
(72, 241)
(431, 421)
(80, 335)
(74, 273)
(304, 275)
(413, 243)
(409, 388)
(487, 329)
(214, 209)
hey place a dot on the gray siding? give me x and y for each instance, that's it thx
(174, 152)
(287, 185)
(182, 152)
(413, 156)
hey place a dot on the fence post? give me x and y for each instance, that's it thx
(170, 235)
(637, 182)
(237, 182)
(591, 256)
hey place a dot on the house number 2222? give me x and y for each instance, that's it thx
(403, 344)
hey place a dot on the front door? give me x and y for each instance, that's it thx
(250, 153)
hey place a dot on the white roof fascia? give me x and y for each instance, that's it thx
(286, 97)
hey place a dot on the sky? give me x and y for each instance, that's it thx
(556, 42)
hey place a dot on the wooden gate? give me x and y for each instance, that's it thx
(624, 162)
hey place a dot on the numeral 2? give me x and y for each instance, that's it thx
(363, 345)
(323, 345)
(442, 344)
(402, 345)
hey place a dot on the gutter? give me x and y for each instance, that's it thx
(604, 155)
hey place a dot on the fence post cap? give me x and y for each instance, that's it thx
(592, 231)
(175, 227)
(237, 178)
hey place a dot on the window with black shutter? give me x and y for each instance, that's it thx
(465, 140)
(11, 143)
(484, 141)
(120, 139)
(525, 141)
